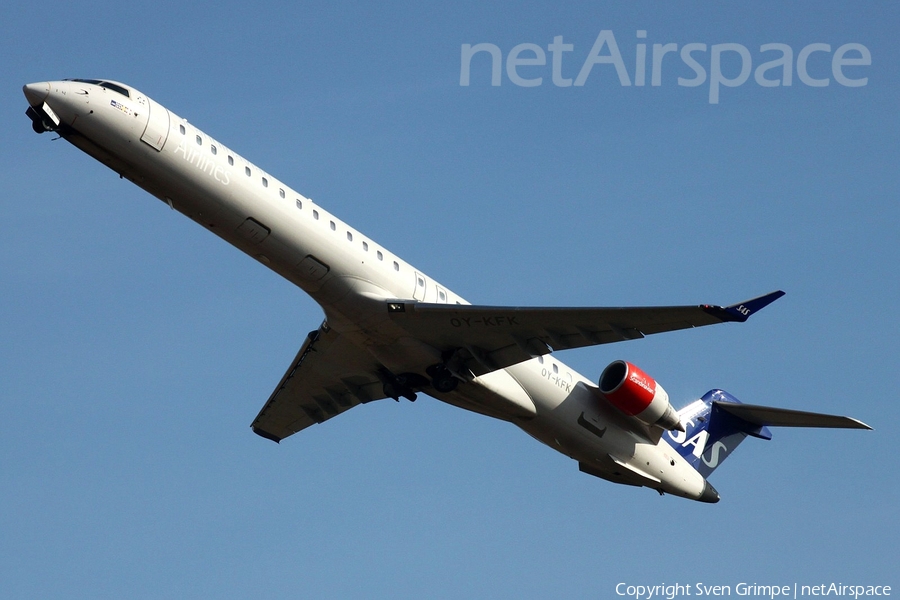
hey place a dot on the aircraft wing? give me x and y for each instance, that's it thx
(482, 339)
(329, 375)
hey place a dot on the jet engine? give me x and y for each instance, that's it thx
(638, 395)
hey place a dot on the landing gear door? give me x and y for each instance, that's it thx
(157, 130)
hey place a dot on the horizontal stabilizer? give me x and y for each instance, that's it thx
(783, 417)
(718, 422)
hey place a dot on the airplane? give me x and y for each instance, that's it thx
(391, 331)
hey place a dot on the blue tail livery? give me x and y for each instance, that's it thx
(715, 424)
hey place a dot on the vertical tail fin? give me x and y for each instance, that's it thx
(711, 433)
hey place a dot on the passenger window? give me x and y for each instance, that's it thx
(247, 171)
(199, 141)
(181, 129)
(265, 182)
(213, 149)
(349, 237)
(442, 296)
(299, 205)
(366, 246)
(316, 215)
(281, 193)
(230, 160)
(333, 227)
(396, 266)
(380, 255)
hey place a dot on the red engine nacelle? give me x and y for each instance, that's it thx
(637, 395)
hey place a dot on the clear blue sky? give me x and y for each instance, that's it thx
(137, 347)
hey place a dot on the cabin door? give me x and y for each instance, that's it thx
(157, 126)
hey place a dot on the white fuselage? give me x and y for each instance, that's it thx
(347, 273)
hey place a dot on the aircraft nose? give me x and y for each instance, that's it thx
(36, 93)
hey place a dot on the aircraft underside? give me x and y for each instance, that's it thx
(393, 332)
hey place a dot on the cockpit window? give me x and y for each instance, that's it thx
(115, 88)
(110, 86)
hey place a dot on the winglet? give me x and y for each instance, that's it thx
(741, 311)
